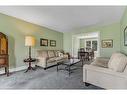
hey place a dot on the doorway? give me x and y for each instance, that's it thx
(86, 40)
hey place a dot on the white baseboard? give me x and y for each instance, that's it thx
(15, 69)
(18, 69)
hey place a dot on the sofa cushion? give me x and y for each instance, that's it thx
(59, 58)
(56, 53)
(53, 59)
(101, 62)
(100, 65)
(118, 62)
(51, 54)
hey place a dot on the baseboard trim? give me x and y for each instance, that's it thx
(14, 69)
(18, 69)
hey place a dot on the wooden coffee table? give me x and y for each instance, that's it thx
(68, 63)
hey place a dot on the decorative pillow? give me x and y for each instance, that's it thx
(60, 54)
(118, 62)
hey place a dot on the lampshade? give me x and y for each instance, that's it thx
(29, 41)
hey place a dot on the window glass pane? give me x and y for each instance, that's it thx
(88, 44)
(94, 45)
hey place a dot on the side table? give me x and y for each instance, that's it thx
(29, 61)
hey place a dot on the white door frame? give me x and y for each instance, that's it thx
(77, 35)
(74, 37)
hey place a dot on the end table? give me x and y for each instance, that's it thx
(30, 60)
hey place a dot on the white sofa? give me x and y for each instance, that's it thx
(48, 58)
(99, 73)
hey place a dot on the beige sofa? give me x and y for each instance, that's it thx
(106, 74)
(48, 58)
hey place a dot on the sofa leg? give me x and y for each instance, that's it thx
(45, 68)
(87, 84)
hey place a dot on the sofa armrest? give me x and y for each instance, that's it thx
(42, 61)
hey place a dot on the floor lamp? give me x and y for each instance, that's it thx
(29, 41)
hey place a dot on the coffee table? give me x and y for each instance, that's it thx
(68, 63)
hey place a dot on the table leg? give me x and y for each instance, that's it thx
(69, 69)
(29, 68)
(82, 62)
(57, 67)
(33, 68)
(26, 70)
(7, 71)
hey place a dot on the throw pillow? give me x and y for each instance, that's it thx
(60, 54)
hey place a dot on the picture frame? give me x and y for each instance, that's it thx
(43, 42)
(125, 36)
(53, 43)
(108, 43)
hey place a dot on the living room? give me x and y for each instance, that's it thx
(49, 31)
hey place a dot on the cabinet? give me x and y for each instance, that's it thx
(4, 63)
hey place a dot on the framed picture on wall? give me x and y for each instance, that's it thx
(107, 43)
(43, 42)
(125, 36)
(53, 43)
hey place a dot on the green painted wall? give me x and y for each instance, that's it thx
(16, 30)
(111, 31)
(123, 24)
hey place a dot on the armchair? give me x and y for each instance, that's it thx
(98, 73)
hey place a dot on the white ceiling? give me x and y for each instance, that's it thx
(65, 18)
